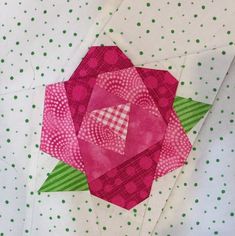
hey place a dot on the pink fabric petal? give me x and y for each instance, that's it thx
(144, 130)
(101, 59)
(128, 85)
(98, 160)
(115, 117)
(100, 99)
(129, 183)
(175, 149)
(162, 87)
(96, 132)
(78, 94)
(58, 135)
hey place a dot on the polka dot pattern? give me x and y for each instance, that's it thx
(162, 87)
(80, 85)
(128, 85)
(100, 60)
(169, 29)
(12, 198)
(175, 149)
(78, 94)
(58, 135)
(130, 182)
(39, 39)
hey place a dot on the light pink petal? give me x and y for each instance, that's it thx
(176, 147)
(58, 135)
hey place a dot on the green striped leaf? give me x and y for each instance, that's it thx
(190, 112)
(64, 178)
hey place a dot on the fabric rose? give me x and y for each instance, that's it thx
(115, 122)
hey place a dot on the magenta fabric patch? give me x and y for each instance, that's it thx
(115, 122)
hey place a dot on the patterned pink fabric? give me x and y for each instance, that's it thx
(101, 135)
(79, 87)
(144, 130)
(99, 60)
(162, 87)
(175, 149)
(58, 135)
(116, 118)
(78, 94)
(116, 123)
(128, 85)
(101, 99)
(129, 183)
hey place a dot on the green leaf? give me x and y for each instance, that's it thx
(64, 178)
(190, 112)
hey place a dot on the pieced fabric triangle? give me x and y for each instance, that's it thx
(116, 118)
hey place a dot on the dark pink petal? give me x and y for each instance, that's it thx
(101, 59)
(162, 87)
(127, 190)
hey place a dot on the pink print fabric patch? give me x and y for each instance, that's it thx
(115, 122)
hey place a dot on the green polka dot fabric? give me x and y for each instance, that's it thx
(42, 42)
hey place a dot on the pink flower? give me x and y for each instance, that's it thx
(116, 123)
